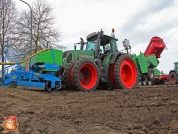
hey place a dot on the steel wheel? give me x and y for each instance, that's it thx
(151, 77)
(145, 82)
(149, 82)
(140, 83)
(126, 72)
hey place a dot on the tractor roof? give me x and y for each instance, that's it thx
(106, 39)
(94, 35)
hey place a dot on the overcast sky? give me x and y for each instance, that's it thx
(135, 20)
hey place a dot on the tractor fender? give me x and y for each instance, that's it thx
(114, 56)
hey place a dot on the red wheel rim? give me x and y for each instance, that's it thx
(87, 76)
(111, 75)
(173, 79)
(128, 73)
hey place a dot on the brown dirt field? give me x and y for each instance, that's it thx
(144, 110)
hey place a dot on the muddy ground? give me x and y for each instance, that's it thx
(144, 110)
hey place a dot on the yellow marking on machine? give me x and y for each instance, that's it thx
(14, 77)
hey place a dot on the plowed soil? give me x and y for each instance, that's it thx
(143, 110)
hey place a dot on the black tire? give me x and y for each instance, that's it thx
(67, 77)
(111, 84)
(85, 75)
(173, 79)
(48, 85)
(126, 72)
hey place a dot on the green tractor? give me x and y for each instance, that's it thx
(173, 75)
(99, 62)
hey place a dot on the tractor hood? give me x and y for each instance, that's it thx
(76, 55)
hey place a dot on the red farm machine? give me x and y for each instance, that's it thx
(148, 61)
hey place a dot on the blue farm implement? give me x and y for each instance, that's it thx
(40, 70)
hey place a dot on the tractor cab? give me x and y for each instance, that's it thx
(101, 44)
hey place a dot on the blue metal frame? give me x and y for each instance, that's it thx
(31, 79)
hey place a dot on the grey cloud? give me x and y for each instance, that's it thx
(140, 16)
(128, 29)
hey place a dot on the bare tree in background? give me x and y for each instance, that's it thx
(44, 31)
(7, 23)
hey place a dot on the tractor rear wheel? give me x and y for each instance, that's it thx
(67, 75)
(85, 75)
(126, 72)
(173, 79)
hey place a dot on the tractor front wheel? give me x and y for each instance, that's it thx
(126, 72)
(85, 75)
(173, 79)
(67, 75)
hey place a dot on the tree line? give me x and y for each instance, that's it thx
(16, 27)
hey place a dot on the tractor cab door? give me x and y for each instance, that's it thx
(108, 46)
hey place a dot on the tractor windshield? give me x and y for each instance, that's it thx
(91, 45)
